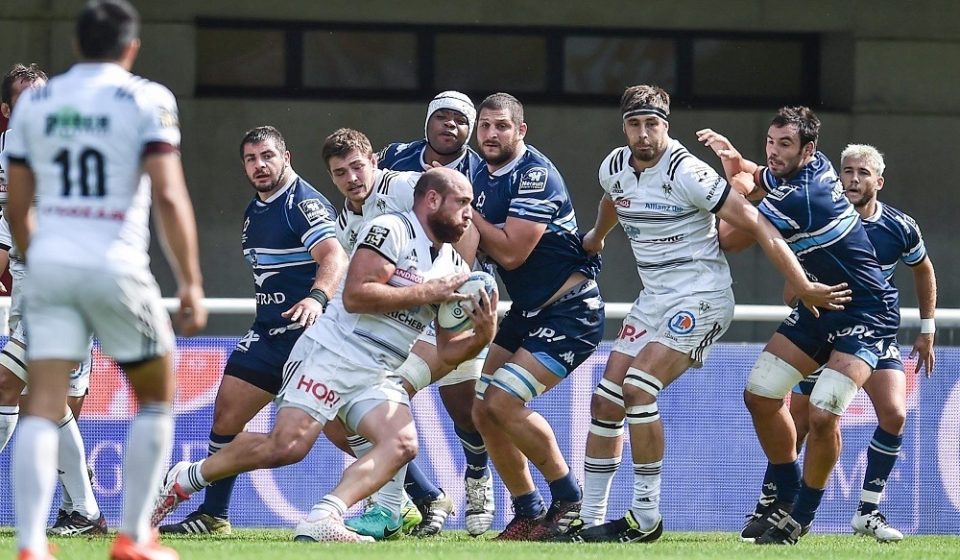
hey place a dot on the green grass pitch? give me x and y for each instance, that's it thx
(251, 544)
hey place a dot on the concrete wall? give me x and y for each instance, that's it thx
(899, 81)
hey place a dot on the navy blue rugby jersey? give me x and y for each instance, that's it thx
(277, 237)
(530, 188)
(895, 237)
(408, 156)
(825, 232)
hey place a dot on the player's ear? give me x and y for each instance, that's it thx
(5, 110)
(808, 149)
(879, 182)
(523, 130)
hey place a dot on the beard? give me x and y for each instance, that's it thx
(507, 151)
(272, 185)
(445, 230)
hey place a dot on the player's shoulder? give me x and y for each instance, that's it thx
(314, 207)
(536, 173)
(897, 216)
(614, 164)
(396, 223)
(395, 152)
(393, 183)
(685, 168)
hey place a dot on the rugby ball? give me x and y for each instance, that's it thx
(452, 315)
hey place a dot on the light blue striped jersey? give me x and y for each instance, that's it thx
(277, 237)
(408, 156)
(895, 237)
(825, 232)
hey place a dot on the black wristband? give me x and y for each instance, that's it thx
(320, 296)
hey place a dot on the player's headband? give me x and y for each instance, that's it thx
(456, 101)
(645, 110)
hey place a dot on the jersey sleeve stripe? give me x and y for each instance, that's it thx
(723, 198)
(152, 148)
(915, 255)
(377, 251)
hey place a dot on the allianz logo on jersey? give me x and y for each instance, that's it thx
(69, 121)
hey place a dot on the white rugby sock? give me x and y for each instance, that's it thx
(9, 415)
(72, 465)
(34, 479)
(327, 506)
(598, 473)
(391, 496)
(147, 451)
(646, 493)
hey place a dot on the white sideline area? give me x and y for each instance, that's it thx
(909, 316)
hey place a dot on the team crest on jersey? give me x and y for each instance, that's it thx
(667, 189)
(533, 180)
(481, 199)
(313, 211)
(168, 118)
(702, 173)
(243, 234)
(683, 322)
(781, 192)
(381, 205)
(376, 236)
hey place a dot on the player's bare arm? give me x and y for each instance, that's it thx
(454, 348)
(22, 186)
(511, 245)
(331, 265)
(733, 164)
(366, 290)
(178, 236)
(741, 214)
(606, 220)
(925, 280)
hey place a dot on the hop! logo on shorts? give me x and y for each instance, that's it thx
(683, 322)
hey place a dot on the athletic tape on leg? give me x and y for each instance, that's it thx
(416, 371)
(517, 381)
(772, 377)
(604, 428)
(643, 380)
(610, 391)
(833, 392)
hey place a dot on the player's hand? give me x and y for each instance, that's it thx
(718, 143)
(592, 242)
(817, 295)
(306, 312)
(191, 318)
(923, 351)
(484, 315)
(3, 289)
(444, 289)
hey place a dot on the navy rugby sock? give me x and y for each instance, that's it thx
(420, 488)
(881, 456)
(566, 488)
(216, 498)
(475, 452)
(529, 505)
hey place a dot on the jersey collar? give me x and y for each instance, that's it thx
(284, 189)
(875, 217)
(452, 165)
(513, 163)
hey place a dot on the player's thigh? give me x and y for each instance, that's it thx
(237, 402)
(663, 362)
(887, 389)
(56, 323)
(128, 317)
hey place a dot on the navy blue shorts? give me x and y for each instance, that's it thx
(864, 333)
(890, 360)
(561, 336)
(258, 357)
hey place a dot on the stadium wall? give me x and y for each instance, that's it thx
(896, 83)
(712, 470)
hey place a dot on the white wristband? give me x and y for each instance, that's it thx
(927, 326)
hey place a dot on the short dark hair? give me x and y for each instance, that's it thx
(635, 97)
(30, 74)
(262, 134)
(342, 141)
(504, 101)
(807, 123)
(105, 28)
(437, 179)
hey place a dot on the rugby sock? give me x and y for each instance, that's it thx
(787, 478)
(327, 505)
(190, 479)
(9, 415)
(72, 466)
(475, 452)
(391, 496)
(566, 488)
(216, 500)
(646, 493)
(529, 505)
(421, 489)
(881, 456)
(768, 492)
(34, 472)
(147, 450)
(598, 473)
(359, 445)
(808, 500)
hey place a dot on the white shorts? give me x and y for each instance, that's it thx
(467, 371)
(324, 385)
(18, 274)
(65, 305)
(79, 376)
(690, 324)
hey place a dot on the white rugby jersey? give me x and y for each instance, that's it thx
(666, 212)
(383, 340)
(392, 192)
(84, 136)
